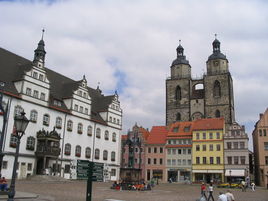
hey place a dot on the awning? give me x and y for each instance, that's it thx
(207, 171)
(234, 173)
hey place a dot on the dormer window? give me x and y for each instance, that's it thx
(56, 102)
(28, 91)
(35, 75)
(76, 107)
(41, 77)
(81, 109)
(86, 111)
(43, 96)
(80, 93)
(35, 94)
(85, 95)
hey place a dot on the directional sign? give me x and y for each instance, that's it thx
(83, 167)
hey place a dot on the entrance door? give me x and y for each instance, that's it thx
(23, 170)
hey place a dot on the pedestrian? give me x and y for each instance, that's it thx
(243, 185)
(3, 184)
(203, 190)
(210, 191)
(230, 196)
(253, 186)
(222, 197)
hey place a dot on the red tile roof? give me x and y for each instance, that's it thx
(123, 137)
(183, 129)
(144, 132)
(209, 124)
(157, 135)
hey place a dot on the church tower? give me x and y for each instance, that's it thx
(178, 89)
(219, 98)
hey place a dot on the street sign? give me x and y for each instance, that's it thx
(82, 170)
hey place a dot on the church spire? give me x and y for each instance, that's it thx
(39, 52)
(216, 45)
(181, 58)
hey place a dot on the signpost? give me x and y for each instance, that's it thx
(89, 181)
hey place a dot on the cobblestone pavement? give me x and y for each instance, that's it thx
(76, 191)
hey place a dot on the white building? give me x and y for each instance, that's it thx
(68, 120)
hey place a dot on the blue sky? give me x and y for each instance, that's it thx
(128, 46)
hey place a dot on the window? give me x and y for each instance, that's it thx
(35, 94)
(43, 96)
(67, 168)
(160, 161)
(179, 161)
(155, 161)
(218, 136)
(179, 151)
(189, 151)
(46, 120)
(76, 107)
(78, 151)
(4, 165)
(58, 122)
(218, 147)
(236, 160)
(114, 137)
(204, 147)
(149, 149)
(265, 145)
(69, 125)
(217, 114)
(13, 140)
(242, 145)
(33, 116)
(106, 135)
(260, 132)
(211, 160)
(28, 91)
(211, 147)
(186, 128)
(29, 167)
(204, 136)
(173, 151)
(204, 160)
(178, 93)
(113, 172)
(173, 162)
(197, 160)
(35, 75)
(105, 155)
(85, 95)
(81, 109)
(210, 135)
(169, 162)
(149, 161)
(178, 116)
(118, 122)
(189, 162)
(218, 160)
(30, 143)
(67, 150)
(80, 128)
(243, 160)
(98, 133)
(86, 111)
(41, 77)
(136, 150)
(89, 130)
(217, 89)
(112, 156)
(18, 110)
(197, 136)
(184, 151)
(155, 149)
(229, 160)
(235, 145)
(88, 152)
(110, 119)
(161, 149)
(229, 145)
(264, 132)
(97, 154)
(266, 160)
(197, 148)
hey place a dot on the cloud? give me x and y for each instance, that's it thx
(129, 45)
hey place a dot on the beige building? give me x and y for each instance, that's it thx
(260, 145)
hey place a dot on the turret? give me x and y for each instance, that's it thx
(40, 53)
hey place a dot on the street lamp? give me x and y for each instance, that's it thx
(230, 172)
(20, 124)
(3, 109)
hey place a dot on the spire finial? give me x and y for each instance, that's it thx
(180, 42)
(43, 30)
(215, 36)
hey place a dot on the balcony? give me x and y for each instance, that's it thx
(48, 151)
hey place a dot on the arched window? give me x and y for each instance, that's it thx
(88, 152)
(58, 122)
(89, 130)
(217, 114)
(33, 116)
(67, 150)
(30, 143)
(97, 154)
(80, 128)
(178, 116)
(69, 125)
(106, 135)
(178, 93)
(114, 137)
(98, 133)
(112, 156)
(46, 120)
(105, 155)
(78, 151)
(217, 89)
(110, 119)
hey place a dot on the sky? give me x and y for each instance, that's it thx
(129, 46)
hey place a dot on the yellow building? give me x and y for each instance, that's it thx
(207, 150)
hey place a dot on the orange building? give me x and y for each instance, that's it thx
(155, 154)
(179, 151)
(260, 145)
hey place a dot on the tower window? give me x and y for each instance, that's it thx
(217, 89)
(178, 116)
(178, 93)
(217, 114)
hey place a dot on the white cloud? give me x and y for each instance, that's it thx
(142, 36)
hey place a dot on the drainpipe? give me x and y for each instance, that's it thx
(63, 137)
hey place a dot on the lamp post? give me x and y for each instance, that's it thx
(3, 109)
(230, 172)
(20, 123)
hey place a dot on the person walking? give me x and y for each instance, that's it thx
(230, 196)
(253, 186)
(203, 190)
(243, 185)
(222, 197)
(210, 192)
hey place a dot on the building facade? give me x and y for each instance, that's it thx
(68, 120)
(236, 154)
(179, 151)
(260, 145)
(208, 150)
(155, 167)
(211, 96)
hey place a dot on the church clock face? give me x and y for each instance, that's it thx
(216, 63)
